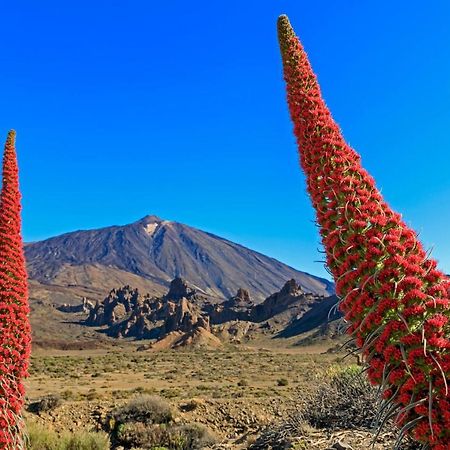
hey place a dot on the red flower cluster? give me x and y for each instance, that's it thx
(15, 334)
(394, 298)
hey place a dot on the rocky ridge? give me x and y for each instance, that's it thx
(186, 316)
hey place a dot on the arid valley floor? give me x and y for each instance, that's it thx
(235, 392)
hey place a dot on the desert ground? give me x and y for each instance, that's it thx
(236, 392)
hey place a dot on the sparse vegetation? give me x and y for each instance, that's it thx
(42, 438)
(149, 421)
(199, 373)
(146, 409)
(342, 400)
(172, 437)
(208, 388)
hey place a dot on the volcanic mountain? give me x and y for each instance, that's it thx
(151, 252)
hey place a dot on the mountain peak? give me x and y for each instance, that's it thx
(156, 250)
(150, 219)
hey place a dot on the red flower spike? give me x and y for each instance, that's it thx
(396, 301)
(15, 333)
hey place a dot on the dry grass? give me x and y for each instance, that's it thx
(173, 374)
(343, 401)
(233, 391)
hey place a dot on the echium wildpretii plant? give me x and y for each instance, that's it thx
(393, 297)
(15, 336)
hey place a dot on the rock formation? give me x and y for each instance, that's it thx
(127, 313)
(85, 306)
(185, 316)
(117, 306)
(291, 301)
(236, 308)
(179, 289)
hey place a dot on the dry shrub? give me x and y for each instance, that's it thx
(171, 437)
(196, 436)
(147, 422)
(138, 434)
(147, 409)
(342, 400)
(45, 404)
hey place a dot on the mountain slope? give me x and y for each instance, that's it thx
(157, 251)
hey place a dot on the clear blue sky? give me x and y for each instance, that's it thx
(178, 109)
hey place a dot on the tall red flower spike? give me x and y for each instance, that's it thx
(394, 299)
(15, 334)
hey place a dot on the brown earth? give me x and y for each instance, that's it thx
(234, 391)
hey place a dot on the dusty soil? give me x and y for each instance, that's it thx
(236, 392)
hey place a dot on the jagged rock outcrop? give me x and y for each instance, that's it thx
(184, 316)
(236, 331)
(127, 313)
(157, 318)
(179, 289)
(281, 314)
(116, 307)
(241, 301)
(320, 315)
(238, 307)
(85, 306)
(290, 301)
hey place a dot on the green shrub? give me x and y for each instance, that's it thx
(86, 441)
(42, 438)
